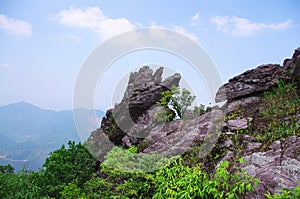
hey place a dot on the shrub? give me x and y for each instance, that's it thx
(180, 181)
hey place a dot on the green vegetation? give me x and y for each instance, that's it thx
(279, 113)
(175, 103)
(70, 173)
(286, 194)
(183, 181)
(64, 167)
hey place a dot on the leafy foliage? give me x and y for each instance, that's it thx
(286, 194)
(123, 176)
(67, 165)
(24, 184)
(180, 181)
(6, 169)
(175, 103)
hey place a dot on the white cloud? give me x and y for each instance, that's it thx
(243, 27)
(176, 28)
(183, 31)
(93, 18)
(196, 17)
(15, 26)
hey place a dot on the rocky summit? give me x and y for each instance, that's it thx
(259, 122)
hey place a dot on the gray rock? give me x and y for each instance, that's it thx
(143, 91)
(298, 118)
(241, 103)
(252, 147)
(252, 81)
(143, 126)
(276, 168)
(293, 65)
(228, 143)
(99, 144)
(249, 138)
(239, 123)
(176, 137)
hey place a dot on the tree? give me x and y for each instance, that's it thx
(67, 165)
(6, 169)
(175, 103)
(23, 184)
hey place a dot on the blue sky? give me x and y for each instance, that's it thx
(44, 43)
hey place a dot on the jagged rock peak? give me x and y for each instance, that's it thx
(145, 75)
(143, 91)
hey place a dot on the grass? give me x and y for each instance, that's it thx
(280, 108)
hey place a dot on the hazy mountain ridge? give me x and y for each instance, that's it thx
(29, 133)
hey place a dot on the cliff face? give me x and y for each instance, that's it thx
(260, 121)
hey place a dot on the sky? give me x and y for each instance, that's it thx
(44, 44)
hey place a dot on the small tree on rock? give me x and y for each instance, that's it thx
(175, 103)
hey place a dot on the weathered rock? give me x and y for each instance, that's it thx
(99, 144)
(241, 103)
(111, 129)
(143, 91)
(176, 137)
(296, 71)
(252, 147)
(143, 126)
(238, 123)
(251, 82)
(228, 144)
(276, 168)
(293, 65)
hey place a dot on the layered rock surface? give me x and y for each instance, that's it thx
(260, 79)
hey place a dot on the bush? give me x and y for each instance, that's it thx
(180, 181)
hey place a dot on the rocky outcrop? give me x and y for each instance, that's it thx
(143, 91)
(110, 127)
(277, 166)
(133, 121)
(252, 82)
(294, 64)
(262, 78)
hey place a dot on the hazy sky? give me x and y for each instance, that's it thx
(44, 43)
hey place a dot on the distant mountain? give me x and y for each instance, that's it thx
(28, 133)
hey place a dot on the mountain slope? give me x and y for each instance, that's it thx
(28, 133)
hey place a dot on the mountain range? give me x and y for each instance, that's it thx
(29, 133)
